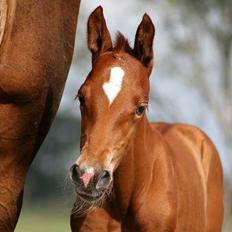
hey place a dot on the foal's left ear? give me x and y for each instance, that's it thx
(99, 39)
(143, 47)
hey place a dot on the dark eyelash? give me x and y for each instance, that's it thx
(81, 98)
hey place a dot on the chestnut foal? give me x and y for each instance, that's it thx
(162, 177)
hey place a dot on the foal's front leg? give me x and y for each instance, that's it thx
(97, 220)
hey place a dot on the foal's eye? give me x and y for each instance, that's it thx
(140, 110)
(81, 99)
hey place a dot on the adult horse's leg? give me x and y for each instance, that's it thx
(36, 47)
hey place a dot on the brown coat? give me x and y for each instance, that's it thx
(36, 47)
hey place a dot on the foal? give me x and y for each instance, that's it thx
(162, 177)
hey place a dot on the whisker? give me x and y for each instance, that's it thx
(83, 206)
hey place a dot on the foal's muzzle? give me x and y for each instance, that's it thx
(90, 185)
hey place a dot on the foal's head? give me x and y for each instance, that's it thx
(113, 100)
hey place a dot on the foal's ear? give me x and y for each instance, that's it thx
(99, 39)
(143, 49)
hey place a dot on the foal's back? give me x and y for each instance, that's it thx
(199, 177)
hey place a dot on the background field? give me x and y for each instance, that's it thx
(43, 217)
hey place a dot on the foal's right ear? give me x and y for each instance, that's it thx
(99, 39)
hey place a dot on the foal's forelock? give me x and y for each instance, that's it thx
(122, 44)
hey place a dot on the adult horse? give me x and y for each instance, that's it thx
(36, 46)
(163, 177)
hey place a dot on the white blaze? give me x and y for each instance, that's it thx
(114, 85)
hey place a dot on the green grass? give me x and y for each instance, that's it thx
(43, 217)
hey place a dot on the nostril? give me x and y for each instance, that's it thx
(105, 174)
(104, 180)
(75, 172)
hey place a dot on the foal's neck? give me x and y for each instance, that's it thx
(132, 175)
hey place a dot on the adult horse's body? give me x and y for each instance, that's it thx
(163, 177)
(36, 46)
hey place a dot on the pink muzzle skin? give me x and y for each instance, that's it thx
(86, 177)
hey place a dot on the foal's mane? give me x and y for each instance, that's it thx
(122, 44)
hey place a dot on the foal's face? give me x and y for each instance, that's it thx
(113, 100)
